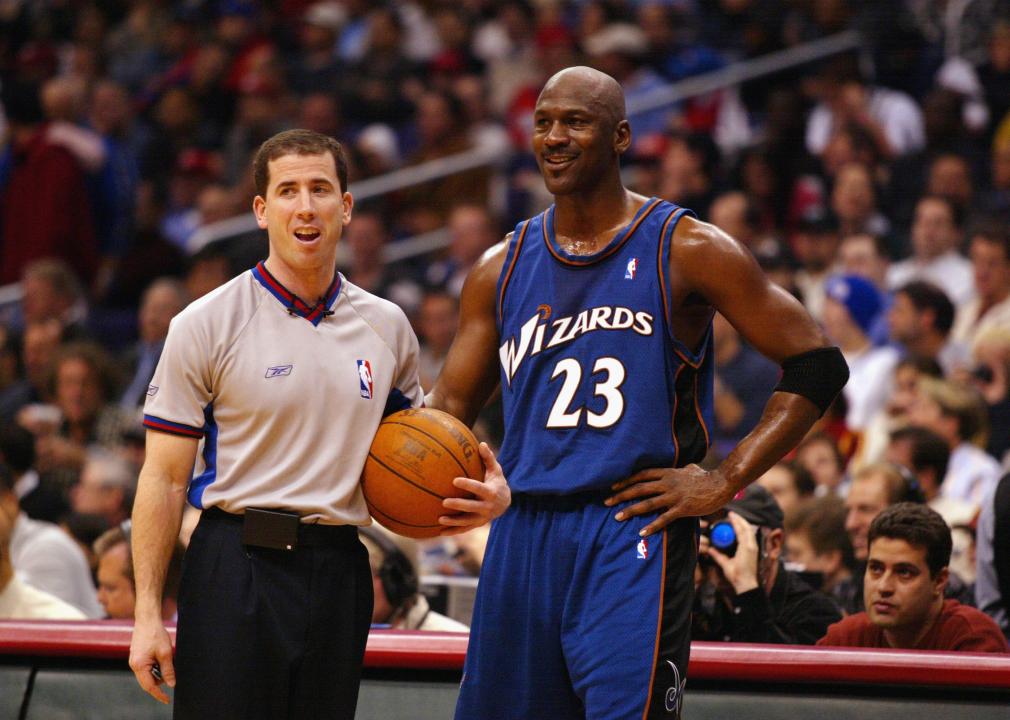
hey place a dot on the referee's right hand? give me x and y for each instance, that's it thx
(151, 658)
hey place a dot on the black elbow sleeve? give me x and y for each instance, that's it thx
(818, 375)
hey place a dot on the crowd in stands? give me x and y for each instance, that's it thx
(874, 185)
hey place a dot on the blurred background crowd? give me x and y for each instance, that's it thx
(871, 181)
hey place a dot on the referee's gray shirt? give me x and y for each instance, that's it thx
(285, 397)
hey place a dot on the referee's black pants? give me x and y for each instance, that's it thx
(271, 634)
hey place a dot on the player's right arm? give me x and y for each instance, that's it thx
(470, 372)
(157, 517)
(467, 379)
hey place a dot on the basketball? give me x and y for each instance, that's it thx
(411, 464)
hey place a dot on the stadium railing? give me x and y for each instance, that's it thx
(78, 670)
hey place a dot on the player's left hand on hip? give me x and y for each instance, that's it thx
(492, 497)
(673, 492)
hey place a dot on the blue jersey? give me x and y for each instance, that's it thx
(595, 387)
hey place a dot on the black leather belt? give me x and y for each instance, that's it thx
(307, 534)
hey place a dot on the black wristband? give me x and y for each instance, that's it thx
(818, 375)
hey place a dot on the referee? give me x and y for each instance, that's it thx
(283, 374)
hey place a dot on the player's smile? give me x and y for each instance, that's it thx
(559, 162)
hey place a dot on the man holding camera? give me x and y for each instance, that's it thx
(743, 593)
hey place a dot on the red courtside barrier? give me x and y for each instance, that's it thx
(110, 640)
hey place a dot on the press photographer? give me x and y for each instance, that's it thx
(742, 592)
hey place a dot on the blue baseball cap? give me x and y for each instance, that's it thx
(859, 296)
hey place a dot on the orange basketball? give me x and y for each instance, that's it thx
(411, 464)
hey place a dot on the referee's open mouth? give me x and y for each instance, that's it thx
(307, 234)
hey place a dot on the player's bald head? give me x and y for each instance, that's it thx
(591, 86)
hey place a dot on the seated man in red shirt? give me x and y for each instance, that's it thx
(906, 571)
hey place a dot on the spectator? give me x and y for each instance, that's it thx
(891, 117)
(950, 176)
(39, 500)
(314, 67)
(110, 115)
(749, 596)
(382, 82)
(735, 213)
(513, 64)
(367, 237)
(874, 488)
(991, 377)
(906, 574)
(852, 306)
(106, 488)
(815, 244)
(894, 414)
(160, 303)
(992, 576)
(398, 600)
(817, 543)
(819, 455)
(620, 49)
(44, 556)
(867, 256)
(442, 131)
(920, 320)
(471, 233)
(14, 389)
(45, 209)
(744, 379)
(436, 325)
(854, 202)
(39, 348)
(83, 384)
(927, 456)
(936, 236)
(990, 261)
(116, 588)
(957, 414)
(51, 291)
(209, 269)
(789, 483)
(689, 166)
(19, 600)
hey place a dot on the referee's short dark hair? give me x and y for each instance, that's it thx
(297, 142)
(918, 525)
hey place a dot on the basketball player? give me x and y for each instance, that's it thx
(284, 373)
(595, 317)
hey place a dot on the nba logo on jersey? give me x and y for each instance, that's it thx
(643, 549)
(365, 378)
(629, 273)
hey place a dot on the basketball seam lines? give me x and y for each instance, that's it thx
(463, 470)
(401, 522)
(406, 479)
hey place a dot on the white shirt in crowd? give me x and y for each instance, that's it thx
(48, 559)
(972, 474)
(20, 601)
(951, 272)
(871, 374)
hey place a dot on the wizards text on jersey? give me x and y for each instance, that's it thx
(595, 386)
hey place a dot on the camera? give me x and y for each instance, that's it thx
(722, 537)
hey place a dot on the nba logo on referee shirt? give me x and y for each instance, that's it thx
(643, 549)
(365, 378)
(629, 273)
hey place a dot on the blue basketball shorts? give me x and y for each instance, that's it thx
(577, 617)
